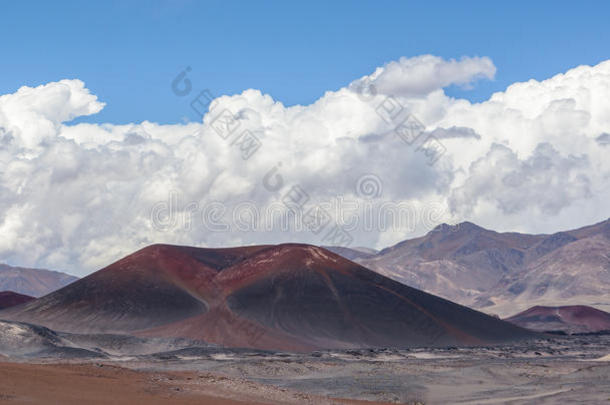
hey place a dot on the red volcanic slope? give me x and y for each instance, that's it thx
(570, 319)
(10, 299)
(285, 297)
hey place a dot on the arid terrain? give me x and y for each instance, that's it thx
(547, 371)
(291, 324)
(32, 282)
(500, 273)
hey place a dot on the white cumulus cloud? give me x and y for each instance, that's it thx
(531, 158)
(421, 75)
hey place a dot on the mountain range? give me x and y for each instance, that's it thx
(501, 273)
(303, 297)
(32, 282)
(285, 297)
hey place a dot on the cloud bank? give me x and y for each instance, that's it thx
(531, 158)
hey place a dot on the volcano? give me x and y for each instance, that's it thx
(569, 319)
(10, 299)
(285, 297)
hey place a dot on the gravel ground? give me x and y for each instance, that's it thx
(557, 369)
(554, 370)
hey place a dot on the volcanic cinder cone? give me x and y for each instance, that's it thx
(10, 299)
(568, 319)
(285, 297)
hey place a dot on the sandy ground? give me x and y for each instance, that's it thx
(25, 383)
(78, 384)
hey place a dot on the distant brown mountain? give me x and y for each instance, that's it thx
(10, 299)
(32, 282)
(568, 319)
(503, 272)
(352, 253)
(285, 297)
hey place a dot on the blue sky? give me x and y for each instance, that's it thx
(78, 197)
(127, 52)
